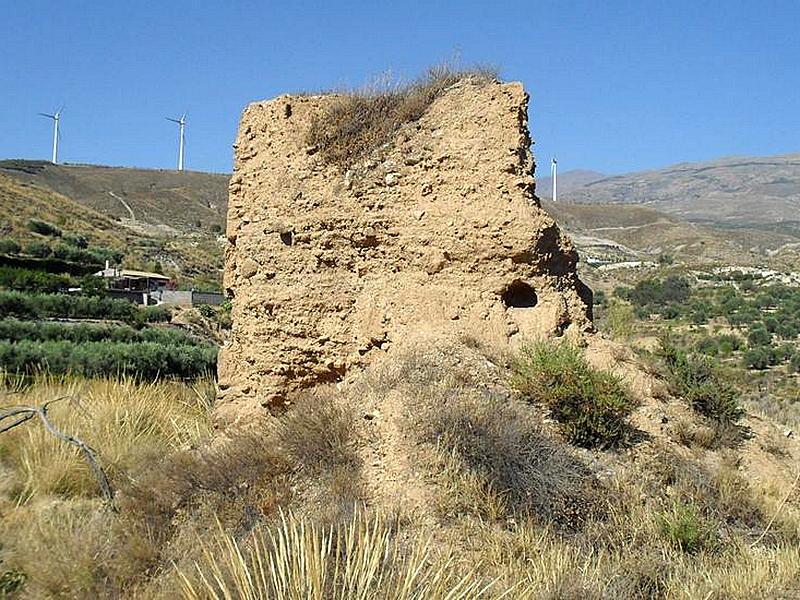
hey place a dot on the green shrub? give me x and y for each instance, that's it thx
(29, 280)
(207, 311)
(788, 328)
(729, 343)
(79, 241)
(673, 289)
(147, 360)
(92, 256)
(9, 246)
(591, 406)
(38, 249)
(708, 346)
(42, 306)
(13, 330)
(683, 527)
(698, 381)
(154, 314)
(44, 228)
(93, 286)
(759, 336)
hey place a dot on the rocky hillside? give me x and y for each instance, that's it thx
(608, 234)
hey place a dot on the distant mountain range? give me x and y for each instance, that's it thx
(567, 181)
(730, 192)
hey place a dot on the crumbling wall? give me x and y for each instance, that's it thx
(438, 232)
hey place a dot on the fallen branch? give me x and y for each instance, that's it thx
(22, 414)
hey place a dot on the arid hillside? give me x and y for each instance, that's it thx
(157, 218)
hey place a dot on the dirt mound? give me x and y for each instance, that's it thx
(438, 231)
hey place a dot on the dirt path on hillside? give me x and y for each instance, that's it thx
(125, 204)
(393, 470)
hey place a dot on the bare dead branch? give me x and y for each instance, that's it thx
(26, 416)
(25, 413)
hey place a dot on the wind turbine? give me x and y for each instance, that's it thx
(181, 139)
(554, 177)
(56, 118)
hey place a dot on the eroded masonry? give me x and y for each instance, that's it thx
(438, 232)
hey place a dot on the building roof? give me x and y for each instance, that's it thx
(132, 273)
(111, 272)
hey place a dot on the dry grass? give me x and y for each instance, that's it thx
(357, 123)
(296, 559)
(274, 512)
(170, 477)
(124, 421)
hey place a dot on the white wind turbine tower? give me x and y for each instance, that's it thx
(181, 138)
(554, 177)
(56, 118)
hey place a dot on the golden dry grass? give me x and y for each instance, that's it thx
(274, 512)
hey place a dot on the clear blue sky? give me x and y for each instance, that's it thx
(616, 86)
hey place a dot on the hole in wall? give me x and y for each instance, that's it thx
(287, 238)
(519, 294)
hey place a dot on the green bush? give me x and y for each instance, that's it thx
(38, 249)
(92, 256)
(759, 336)
(708, 346)
(154, 314)
(43, 306)
(729, 343)
(591, 406)
(147, 360)
(207, 311)
(44, 228)
(29, 280)
(683, 527)
(13, 330)
(698, 381)
(79, 241)
(673, 289)
(9, 246)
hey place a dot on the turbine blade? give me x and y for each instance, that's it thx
(48, 116)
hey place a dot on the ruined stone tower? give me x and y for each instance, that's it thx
(438, 232)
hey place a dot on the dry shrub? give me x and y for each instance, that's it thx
(491, 454)
(308, 456)
(500, 441)
(171, 482)
(357, 123)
